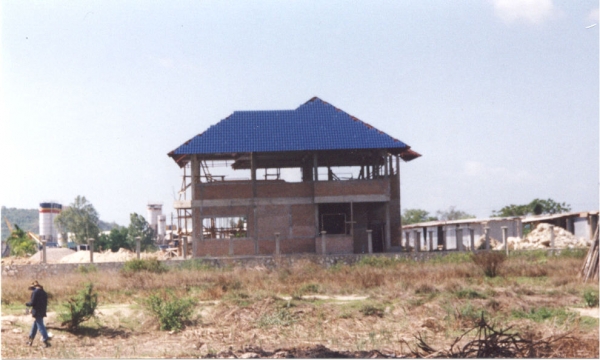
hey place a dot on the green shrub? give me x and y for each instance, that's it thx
(149, 265)
(573, 253)
(590, 296)
(281, 317)
(543, 313)
(371, 310)
(80, 308)
(489, 261)
(86, 269)
(469, 294)
(452, 258)
(171, 312)
(309, 289)
(377, 261)
(196, 265)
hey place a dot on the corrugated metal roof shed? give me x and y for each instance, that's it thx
(315, 125)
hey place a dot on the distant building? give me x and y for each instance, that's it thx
(348, 183)
(48, 212)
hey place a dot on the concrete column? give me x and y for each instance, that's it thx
(44, 258)
(407, 244)
(91, 245)
(487, 238)
(417, 241)
(138, 241)
(388, 228)
(196, 220)
(254, 209)
(277, 247)
(430, 240)
(459, 239)
(399, 194)
(445, 239)
(504, 238)
(183, 247)
(323, 242)
(472, 231)
(230, 246)
(370, 241)
(315, 167)
(552, 239)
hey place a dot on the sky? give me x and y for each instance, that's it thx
(500, 97)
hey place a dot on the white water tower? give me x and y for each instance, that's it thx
(48, 212)
(154, 210)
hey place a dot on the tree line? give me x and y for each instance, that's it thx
(535, 207)
(81, 220)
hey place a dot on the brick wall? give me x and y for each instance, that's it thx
(352, 187)
(335, 244)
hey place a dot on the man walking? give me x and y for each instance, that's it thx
(39, 304)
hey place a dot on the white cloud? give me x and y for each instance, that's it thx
(529, 11)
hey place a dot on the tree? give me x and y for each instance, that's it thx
(139, 227)
(116, 239)
(549, 206)
(81, 219)
(536, 207)
(413, 216)
(453, 214)
(20, 243)
(512, 210)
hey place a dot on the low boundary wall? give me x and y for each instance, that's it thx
(40, 271)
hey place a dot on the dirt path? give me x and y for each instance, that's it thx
(593, 312)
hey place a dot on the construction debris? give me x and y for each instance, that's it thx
(107, 256)
(590, 265)
(541, 238)
(492, 343)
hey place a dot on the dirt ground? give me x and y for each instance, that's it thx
(124, 331)
(365, 311)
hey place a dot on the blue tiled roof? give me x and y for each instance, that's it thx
(315, 125)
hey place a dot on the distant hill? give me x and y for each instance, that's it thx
(29, 220)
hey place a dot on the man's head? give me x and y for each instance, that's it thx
(35, 285)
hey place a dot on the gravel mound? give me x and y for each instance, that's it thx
(53, 255)
(539, 238)
(107, 256)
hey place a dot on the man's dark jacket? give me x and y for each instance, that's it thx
(38, 302)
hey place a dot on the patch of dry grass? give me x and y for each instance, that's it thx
(439, 299)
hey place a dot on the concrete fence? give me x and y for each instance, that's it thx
(40, 271)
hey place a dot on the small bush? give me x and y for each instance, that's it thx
(489, 261)
(377, 261)
(171, 312)
(80, 308)
(543, 313)
(196, 265)
(469, 294)
(371, 310)
(86, 269)
(590, 296)
(309, 289)
(150, 265)
(281, 317)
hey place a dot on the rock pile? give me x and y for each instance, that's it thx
(540, 238)
(105, 256)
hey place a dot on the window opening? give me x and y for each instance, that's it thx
(334, 223)
(225, 227)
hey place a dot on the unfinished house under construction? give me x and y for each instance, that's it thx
(266, 182)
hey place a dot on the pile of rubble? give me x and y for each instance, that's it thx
(540, 238)
(106, 256)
